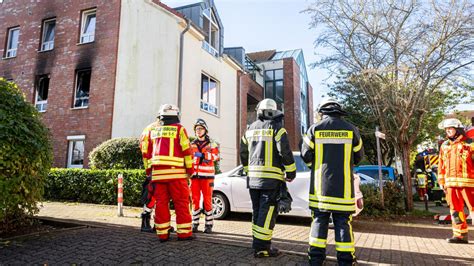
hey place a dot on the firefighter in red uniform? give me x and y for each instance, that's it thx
(456, 176)
(167, 150)
(422, 181)
(205, 153)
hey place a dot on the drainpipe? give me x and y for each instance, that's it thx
(180, 67)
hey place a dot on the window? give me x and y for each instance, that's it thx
(12, 42)
(209, 94)
(211, 29)
(88, 26)
(274, 86)
(47, 38)
(83, 82)
(75, 157)
(42, 88)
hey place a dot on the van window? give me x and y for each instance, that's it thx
(374, 173)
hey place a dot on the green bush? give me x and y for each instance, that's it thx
(25, 156)
(118, 153)
(393, 200)
(94, 186)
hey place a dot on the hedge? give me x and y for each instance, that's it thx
(25, 156)
(93, 186)
(394, 200)
(117, 153)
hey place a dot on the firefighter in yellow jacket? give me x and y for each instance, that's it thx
(331, 147)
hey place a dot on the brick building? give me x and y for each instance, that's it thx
(99, 69)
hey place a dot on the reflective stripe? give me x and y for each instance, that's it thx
(269, 217)
(167, 158)
(183, 231)
(188, 161)
(347, 171)
(262, 236)
(186, 225)
(280, 134)
(163, 225)
(169, 171)
(329, 206)
(333, 134)
(358, 147)
(290, 168)
(333, 141)
(260, 168)
(317, 242)
(184, 141)
(244, 140)
(165, 177)
(262, 230)
(345, 246)
(171, 151)
(332, 199)
(308, 141)
(266, 175)
(206, 168)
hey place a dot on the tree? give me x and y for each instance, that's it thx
(405, 56)
(25, 157)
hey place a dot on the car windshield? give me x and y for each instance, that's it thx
(375, 173)
(300, 165)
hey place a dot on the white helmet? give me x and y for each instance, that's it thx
(450, 122)
(328, 101)
(268, 108)
(168, 110)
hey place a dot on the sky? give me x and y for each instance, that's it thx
(260, 25)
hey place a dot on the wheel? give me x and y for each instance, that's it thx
(220, 206)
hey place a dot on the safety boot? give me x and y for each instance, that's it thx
(195, 228)
(457, 240)
(208, 229)
(271, 252)
(146, 227)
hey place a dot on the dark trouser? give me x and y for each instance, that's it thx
(265, 211)
(319, 233)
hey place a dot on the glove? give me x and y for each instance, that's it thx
(198, 154)
(290, 176)
(284, 200)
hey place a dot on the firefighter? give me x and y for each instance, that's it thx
(331, 147)
(421, 181)
(167, 150)
(266, 156)
(147, 190)
(456, 176)
(205, 153)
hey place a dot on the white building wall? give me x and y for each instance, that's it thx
(147, 66)
(147, 76)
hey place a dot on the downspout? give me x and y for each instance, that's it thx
(180, 67)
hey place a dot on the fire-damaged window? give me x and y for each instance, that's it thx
(88, 26)
(47, 38)
(83, 82)
(42, 88)
(75, 157)
(209, 94)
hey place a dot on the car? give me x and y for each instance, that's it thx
(231, 192)
(388, 173)
(367, 180)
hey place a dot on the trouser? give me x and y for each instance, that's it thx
(421, 192)
(178, 191)
(147, 198)
(265, 211)
(456, 198)
(206, 186)
(343, 233)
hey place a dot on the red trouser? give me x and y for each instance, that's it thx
(456, 197)
(421, 192)
(178, 190)
(206, 186)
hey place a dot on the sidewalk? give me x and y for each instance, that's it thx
(111, 240)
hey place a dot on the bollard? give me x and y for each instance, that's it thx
(120, 196)
(426, 202)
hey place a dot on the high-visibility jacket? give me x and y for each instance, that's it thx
(266, 154)
(456, 163)
(470, 132)
(331, 147)
(166, 151)
(203, 167)
(422, 180)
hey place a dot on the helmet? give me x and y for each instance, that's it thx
(200, 122)
(418, 170)
(168, 110)
(268, 108)
(450, 122)
(428, 170)
(330, 106)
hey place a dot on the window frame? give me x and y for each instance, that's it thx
(76, 79)
(9, 51)
(204, 105)
(208, 45)
(274, 81)
(84, 15)
(71, 140)
(43, 35)
(43, 103)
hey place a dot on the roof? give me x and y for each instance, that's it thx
(176, 13)
(262, 55)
